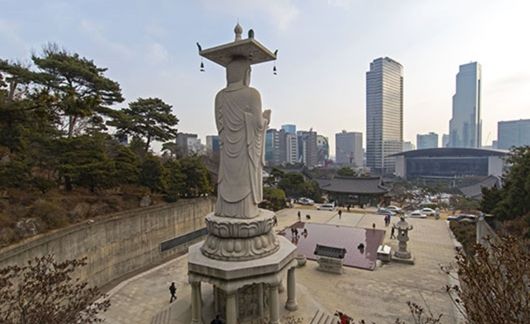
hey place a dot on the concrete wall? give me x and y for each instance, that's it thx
(116, 244)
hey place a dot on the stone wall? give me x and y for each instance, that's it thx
(117, 244)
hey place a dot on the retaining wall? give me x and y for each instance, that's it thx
(117, 244)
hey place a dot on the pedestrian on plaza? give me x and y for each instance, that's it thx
(173, 292)
(392, 233)
(217, 320)
(373, 225)
(340, 213)
(299, 216)
(349, 206)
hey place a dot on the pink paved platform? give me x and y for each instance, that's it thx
(340, 237)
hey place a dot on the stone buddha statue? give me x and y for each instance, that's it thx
(241, 125)
(237, 229)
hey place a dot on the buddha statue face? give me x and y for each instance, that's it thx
(238, 71)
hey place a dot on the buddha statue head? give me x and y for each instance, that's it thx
(238, 71)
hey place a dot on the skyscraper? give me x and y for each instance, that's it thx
(425, 141)
(213, 145)
(513, 133)
(408, 146)
(275, 146)
(384, 114)
(465, 128)
(445, 140)
(289, 128)
(291, 143)
(349, 148)
(307, 148)
(322, 149)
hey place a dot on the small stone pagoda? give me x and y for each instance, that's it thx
(241, 257)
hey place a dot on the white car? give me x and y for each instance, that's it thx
(328, 206)
(395, 209)
(417, 214)
(305, 201)
(428, 211)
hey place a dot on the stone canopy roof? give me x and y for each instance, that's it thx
(353, 185)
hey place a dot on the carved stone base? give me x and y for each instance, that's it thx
(237, 239)
(396, 258)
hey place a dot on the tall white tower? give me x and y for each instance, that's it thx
(384, 114)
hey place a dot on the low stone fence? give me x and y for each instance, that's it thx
(122, 243)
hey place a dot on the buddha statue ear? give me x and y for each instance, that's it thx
(246, 80)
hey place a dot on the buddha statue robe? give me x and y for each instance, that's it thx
(241, 125)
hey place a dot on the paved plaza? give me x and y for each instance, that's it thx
(379, 296)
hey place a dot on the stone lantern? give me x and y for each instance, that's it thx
(402, 254)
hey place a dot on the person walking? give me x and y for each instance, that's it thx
(299, 216)
(340, 213)
(173, 292)
(392, 233)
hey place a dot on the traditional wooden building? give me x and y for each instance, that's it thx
(354, 190)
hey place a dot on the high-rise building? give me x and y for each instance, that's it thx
(445, 140)
(513, 133)
(465, 128)
(322, 149)
(289, 128)
(408, 146)
(213, 144)
(291, 143)
(188, 144)
(307, 147)
(275, 146)
(425, 141)
(384, 114)
(349, 148)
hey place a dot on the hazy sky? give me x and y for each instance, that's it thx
(325, 48)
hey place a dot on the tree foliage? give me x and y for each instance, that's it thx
(53, 117)
(346, 172)
(45, 291)
(83, 92)
(494, 286)
(150, 119)
(294, 185)
(273, 199)
(514, 196)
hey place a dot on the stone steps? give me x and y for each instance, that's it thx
(162, 317)
(322, 317)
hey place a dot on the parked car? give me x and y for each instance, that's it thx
(306, 201)
(326, 206)
(464, 218)
(385, 211)
(428, 211)
(395, 209)
(417, 214)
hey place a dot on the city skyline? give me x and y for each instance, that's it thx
(150, 50)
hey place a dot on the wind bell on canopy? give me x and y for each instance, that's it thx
(245, 47)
